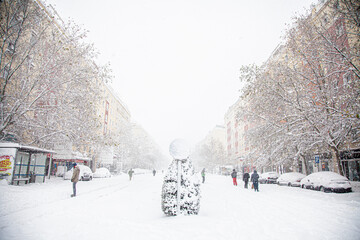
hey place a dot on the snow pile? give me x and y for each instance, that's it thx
(355, 186)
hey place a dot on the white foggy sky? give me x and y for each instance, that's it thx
(176, 62)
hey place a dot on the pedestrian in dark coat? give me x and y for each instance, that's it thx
(75, 178)
(203, 175)
(255, 180)
(154, 172)
(246, 179)
(234, 175)
(131, 172)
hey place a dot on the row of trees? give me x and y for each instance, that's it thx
(305, 99)
(50, 85)
(135, 148)
(209, 154)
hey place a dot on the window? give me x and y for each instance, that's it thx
(33, 38)
(346, 79)
(325, 20)
(10, 48)
(105, 129)
(339, 29)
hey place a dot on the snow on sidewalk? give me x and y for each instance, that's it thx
(117, 208)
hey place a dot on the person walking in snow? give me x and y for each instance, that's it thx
(255, 180)
(130, 173)
(234, 175)
(75, 178)
(246, 179)
(154, 172)
(203, 175)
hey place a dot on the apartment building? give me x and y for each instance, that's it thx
(236, 145)
(114, 117)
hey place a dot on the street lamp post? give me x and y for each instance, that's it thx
(178, 185)
(180, 151)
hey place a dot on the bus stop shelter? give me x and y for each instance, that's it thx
(21, 164)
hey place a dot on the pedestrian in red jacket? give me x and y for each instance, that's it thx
(233, 175)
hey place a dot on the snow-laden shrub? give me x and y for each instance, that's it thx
(189, 190)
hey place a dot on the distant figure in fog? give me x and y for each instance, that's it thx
(75, 178)
(131, 172)
(255, 180)
(154, 172)
(246, 179)
(234, 175)
(203, 175)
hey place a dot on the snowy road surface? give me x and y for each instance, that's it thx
(116, 208)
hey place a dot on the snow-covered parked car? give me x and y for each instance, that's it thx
(290, 179)
(326, 182)
(85, 173)
(102, 173)
(268, 177)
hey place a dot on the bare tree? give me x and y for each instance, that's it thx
(209, 154)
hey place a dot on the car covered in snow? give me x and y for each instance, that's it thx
(268, 177)
(290, 179)
(102, 173)
(326, 182)
(85, 173)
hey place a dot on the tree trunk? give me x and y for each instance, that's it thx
(337, 161)
(306, 172)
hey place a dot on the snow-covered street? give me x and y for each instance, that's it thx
(117, 208)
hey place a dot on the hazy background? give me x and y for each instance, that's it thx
(176, 62)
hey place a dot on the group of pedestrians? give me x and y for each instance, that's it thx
(131, 172)
(254, 179)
